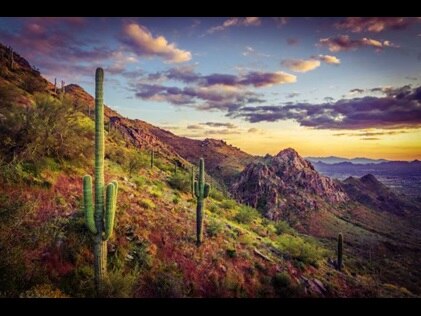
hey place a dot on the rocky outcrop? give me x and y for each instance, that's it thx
(285, 184)
(370, 192)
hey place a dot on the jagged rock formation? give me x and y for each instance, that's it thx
(285, 184)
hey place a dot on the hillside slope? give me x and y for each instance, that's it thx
(47, 143)
(224, 161)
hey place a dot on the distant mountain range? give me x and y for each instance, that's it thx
(390, 168)
(333, 160)
(403, 176)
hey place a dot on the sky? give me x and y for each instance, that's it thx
(345, 86)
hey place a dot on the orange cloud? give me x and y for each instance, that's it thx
(301, 65)
(328, 59)
(247, 21)
(140, 39)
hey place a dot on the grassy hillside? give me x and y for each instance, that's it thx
(46, 146)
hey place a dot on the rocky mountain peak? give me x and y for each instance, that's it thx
(372, 193)
(285, 184)
(288, 152)
(370, 179)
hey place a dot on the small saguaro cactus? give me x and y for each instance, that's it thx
(100, 221)
(12, 61)
(55, 85)
(340, 248)
(192, 180)
(63, 88)
(175, 167)
(201, 191)
(152, 158)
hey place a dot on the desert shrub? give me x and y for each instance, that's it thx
(214, 228)
(168, 283)
(284, 286)
(117, 154)
(283, 227)
(213, 208)
(121, 284)
(50, 128)
(176, 200)
(180, 181)
(143, 259)
(216, 195)
(147, 203)
(140, 181)
(231, 252)
(135, 163)
(155, 191)
(32, 84)
(80, 282)
(246, 215)
(43, 291)
(300, 249)
(245, 239)
(228, 204)
(16, 274)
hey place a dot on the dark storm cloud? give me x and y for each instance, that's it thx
(253, 78)
(401, 107)
(203, 98)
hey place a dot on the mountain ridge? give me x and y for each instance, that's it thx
(244, 254)
(335, 159)
(285, 185)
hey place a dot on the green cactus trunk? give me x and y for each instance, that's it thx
(12, 61)
(199, 221)
(100, 245)
(175, 167)
(63, 91)
(101, 221)
(152, 158)
(201, 191)
(340, 249)
(192, 181)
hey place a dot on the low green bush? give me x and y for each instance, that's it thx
(180, 182)
(246, 215)
(214, 228)
(147, 203)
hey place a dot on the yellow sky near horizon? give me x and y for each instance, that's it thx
(397, 144)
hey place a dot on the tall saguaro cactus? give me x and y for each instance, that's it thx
(201, 191)
(340, 249)
(101, 221)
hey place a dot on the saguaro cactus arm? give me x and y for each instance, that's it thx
(88, 204)
(110, 207)
(196, 189)
(116, 191)
(206, 190)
